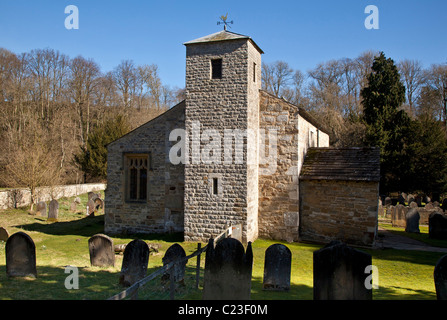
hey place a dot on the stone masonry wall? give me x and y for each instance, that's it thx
(338, 210)
(278, 180)
(221, 105)
(163, 210)
(22, 197)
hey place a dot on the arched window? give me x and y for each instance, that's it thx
(137, 166)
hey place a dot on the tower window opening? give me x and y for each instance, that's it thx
(216, 69)
(215, 185)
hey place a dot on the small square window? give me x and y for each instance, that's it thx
(216, 69)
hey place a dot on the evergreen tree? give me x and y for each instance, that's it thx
(92, 159)
(386, 126)
(427, 163)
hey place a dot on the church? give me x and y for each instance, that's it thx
(232, 154)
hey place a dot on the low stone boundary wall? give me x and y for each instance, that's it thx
(16, 198)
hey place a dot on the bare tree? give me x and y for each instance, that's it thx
(83, 81)
(125, 79)
(436, 79)
(276, 77)
(412, 76)
(31, 162)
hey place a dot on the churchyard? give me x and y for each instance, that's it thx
(64, 243)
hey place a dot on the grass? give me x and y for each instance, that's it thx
(403, 275)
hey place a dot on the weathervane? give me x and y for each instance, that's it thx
(224, 21)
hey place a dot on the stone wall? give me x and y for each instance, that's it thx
(338, 210)
(278, 180)
(163, 210)
(22, 197)
(218, 106)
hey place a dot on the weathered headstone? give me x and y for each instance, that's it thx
(227, 270)
(77, 200)
(4, 234)
(387, 201)
(41, 208)
(73, 206)
(398, 216)
(437, 226)
(135, 261)
(91, 195)
(440, 277)
(173, 253)
(53, 210)
(339, 273)
(91, 208)
(102, 253)
(99, 204)
(277, 268)
(20, 256)
(412, 221)
(401, 199)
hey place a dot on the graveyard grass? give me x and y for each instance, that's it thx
(403, 275)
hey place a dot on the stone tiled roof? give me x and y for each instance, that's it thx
(349, 164)
(223, 35)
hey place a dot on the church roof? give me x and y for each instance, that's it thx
(223, 35)
(349, 164)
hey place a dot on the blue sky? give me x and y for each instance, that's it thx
(302, 33)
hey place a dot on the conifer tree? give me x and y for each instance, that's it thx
(92, 159)
(387, 127)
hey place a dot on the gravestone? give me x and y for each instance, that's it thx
(73, 206)
(228, 270)
(102, 253)
(387, 202)
(99, 204)
(440, 277)
(91, 195)
(41, 208)
(20, 256)
(77, 200)
(412, 221)
(401, 199)
(53, 210)
(4, 234)
(339, 273)
(173, 253)
(437, 226)
(277, 268)
(398, 216)
(91, 208)
(135, 261)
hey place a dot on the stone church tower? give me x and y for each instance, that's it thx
(223, 79)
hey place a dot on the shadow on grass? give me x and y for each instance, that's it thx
(86, 226)
(94, 284)
(89, 226)
(396, 293)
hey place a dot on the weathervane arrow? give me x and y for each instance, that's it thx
(224, 21)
